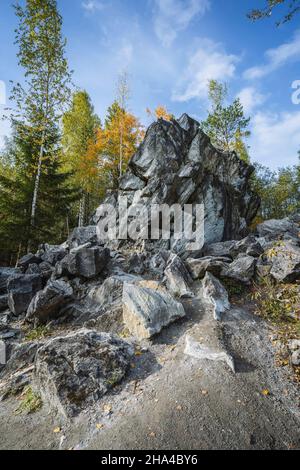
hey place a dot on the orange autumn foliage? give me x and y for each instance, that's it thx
(121, 135)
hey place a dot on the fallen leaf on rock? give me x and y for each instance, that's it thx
(107, 408)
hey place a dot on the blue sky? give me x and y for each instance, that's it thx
(171, 48)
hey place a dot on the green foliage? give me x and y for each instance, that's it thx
(279, 191)
(16, 192)
(31, 402)
(80, 127)
(37, 333)
(226, 126)
(292, 8)
(35, 194)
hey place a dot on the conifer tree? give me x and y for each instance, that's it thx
(227, 126)
(29, 198)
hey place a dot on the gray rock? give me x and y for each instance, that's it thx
(33, 269)
(199, 351)
(137, 264)
(5, 274)
(21, 290)
(85, 261)
(3, 302)
(46, 270)
(177, 277)
(263, 268)
(241, 270)
(249, 246)
(285, 261)
(46, 305)
(23, 356)
(295, 359)
(52, 254)
(294, 344)
(75, 371)
(219, 250)
(216, 295)
(177, 164)
(82, 235)
(28, 259)
(158, 262)
(130, 182)
(198, 267)
(278, 229)
(110, 293)
(146, 311)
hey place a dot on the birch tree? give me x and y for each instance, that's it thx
(41, 99)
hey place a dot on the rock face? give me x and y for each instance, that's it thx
(48, 302)
(146, 311)
(176, 164)
(21, 290)
(75, 371)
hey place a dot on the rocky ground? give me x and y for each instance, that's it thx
(151, 346)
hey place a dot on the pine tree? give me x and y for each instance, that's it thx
(226, 126)
(16, 190)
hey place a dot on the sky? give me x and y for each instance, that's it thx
(170, 49)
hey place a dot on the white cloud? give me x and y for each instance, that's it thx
(92, 6)
(207, 63)
(251, 98)
(173, 16)
(276, 58)
(275, 138)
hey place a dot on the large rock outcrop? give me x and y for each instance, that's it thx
(74, 371)
(177, 164)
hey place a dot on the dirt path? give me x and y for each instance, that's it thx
(173, 401)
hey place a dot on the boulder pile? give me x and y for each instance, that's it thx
(145, 286)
